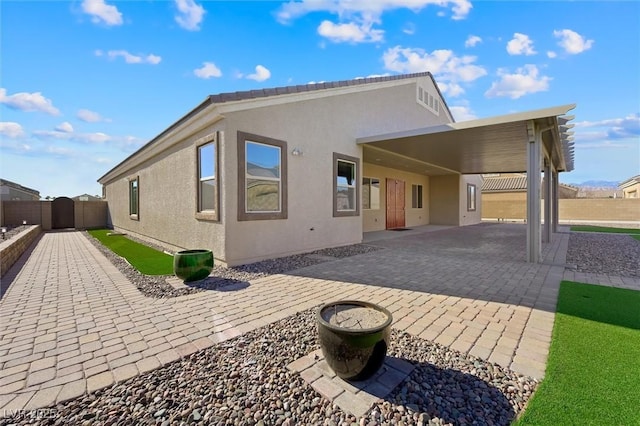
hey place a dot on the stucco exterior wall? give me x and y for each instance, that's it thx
(375, 220)
(468, 217)
(445, 199)
(167, 186)
(317, 124)
(317, 127)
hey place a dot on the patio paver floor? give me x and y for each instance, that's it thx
(72, 323)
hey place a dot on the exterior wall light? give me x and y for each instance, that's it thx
(297, 152)
(24, 222)
(4, 231)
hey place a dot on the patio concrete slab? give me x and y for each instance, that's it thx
(72, 323)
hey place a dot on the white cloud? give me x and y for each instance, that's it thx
(572, 42)
(190, 14)
(89, 116)
(65, 127)
(350, 32)
(358, 17)
(261, 74)
(462, 113)
(409, 29)
(207, 70)
(130, 58)
(367, 9)
(11, 129)
(102, 12)
(94, 138)
(524, 81)
(28, 102)
(613, 128)
(551, 54)
(448, 69)
(472, 41)
(521, 44)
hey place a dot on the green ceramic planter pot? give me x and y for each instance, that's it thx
(193, 265)
(354, 337)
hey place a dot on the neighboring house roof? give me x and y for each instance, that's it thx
(223, 98)
(629, 182)
(19, 187)
(502, 184)
(511, 184)
(86, 197)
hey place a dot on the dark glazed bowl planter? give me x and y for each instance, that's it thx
(354, 336)
(193, 265)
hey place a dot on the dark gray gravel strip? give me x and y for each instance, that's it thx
(157, 286)
(602, 253)
(244, 381)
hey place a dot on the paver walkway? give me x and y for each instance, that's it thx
(71, 323)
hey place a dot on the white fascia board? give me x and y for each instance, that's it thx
(463, 125)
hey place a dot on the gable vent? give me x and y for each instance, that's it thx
(428, 100)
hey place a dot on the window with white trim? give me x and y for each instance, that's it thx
(262, 183)
(134, 197)
(208, 180)
(471, 197)
(345, 185)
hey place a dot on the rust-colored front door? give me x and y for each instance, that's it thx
(395, 203)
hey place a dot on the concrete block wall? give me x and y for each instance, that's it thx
(11, 250)
(90, 214)
(624, 210)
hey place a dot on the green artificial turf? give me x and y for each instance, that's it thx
(588, 228)
(145, 259)
(593, 371)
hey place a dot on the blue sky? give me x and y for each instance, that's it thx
(85, 83)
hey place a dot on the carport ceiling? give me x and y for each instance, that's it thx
(490, 145)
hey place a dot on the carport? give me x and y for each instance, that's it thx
(532, 142)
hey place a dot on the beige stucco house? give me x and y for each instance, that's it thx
(630, 187)
(267, 173)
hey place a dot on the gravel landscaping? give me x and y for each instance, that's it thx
(157, 286)
(244, 381)
(12, 231)
(604, 253)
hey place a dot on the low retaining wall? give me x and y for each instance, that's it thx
(11, 250)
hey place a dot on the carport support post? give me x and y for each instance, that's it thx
(554, 212)
(533, 193)
(549, 197)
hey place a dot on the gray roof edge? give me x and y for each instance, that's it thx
(271, 92)
(18, 186)
(310, 87)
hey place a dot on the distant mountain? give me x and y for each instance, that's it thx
(600, 184)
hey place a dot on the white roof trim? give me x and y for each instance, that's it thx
(491, 121)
